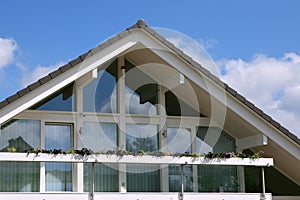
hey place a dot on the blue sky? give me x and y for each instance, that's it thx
(255, 42)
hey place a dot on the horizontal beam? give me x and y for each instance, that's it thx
(129, 159)
(251, 141)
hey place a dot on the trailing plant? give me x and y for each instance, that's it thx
(122, 152)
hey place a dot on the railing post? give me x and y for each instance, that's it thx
(263, 196)
(181, 182)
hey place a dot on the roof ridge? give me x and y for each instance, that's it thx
(141, 24)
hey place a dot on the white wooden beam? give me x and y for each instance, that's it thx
(251, 141)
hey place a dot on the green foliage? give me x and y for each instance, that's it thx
(122, 152)
(12, 149)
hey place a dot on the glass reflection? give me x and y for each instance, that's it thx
(58, 175)
(142, 178)
(215, 178)
(100, 136)
(20, 176)
(60, 101)
(100, 94)
(140, 92)
(179, 141)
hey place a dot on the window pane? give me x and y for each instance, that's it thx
(58, 175)
(215, 178)
(100, 136)
(141, 137)
(142, 178)
(20, 176)
(174, 178)
(106, 177)
(177, 107)
(179, 141)
(100, 94)
(60, 101)
(140, 92)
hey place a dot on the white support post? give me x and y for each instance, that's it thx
(162, 137)
(122, 120)
(78, 123)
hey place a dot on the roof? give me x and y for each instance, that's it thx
(142, 25)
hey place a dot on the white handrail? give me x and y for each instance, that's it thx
(130, 159)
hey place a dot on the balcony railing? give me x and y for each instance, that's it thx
(138, 159)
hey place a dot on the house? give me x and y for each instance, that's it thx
(137, 92)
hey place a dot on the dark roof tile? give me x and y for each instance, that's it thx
(284, 130)
(204, 70)
(266, 117)
(105, 44)
(169, 44)
(34, 85)
(240, 97)
(3, 103)
(178, 51)
(75, 61)
(45, 79)
(214, 78)
(141, 23)
(292, 136)
(114, 39)
(85, 55)
(96, 50)
(132, 28)
(249, 104)
(55, 73)
(12, 98)
(23, 92)
(65, 67)
(231, 91)
(257, 110)
(159, 38)
(222, 84)
(187, 58)
(123, 33)
(274, 123)
(150, 30)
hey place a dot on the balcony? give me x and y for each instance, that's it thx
(130, 159)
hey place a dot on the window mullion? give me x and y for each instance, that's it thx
(42, 164)
(122, 120)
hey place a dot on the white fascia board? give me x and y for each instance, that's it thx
(129, 159)
(67, 77)
(221, 95)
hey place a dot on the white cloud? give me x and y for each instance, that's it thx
(273, 84)
(8, 47)
(39, 72)
(196, 51)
